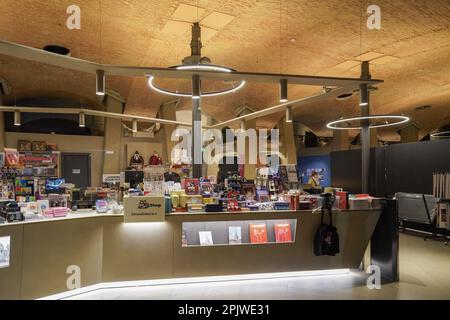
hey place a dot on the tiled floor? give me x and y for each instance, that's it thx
(424, 273)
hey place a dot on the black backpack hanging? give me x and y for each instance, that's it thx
(326, 240)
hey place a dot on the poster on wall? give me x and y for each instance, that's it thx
(320, 171)
(5, 251)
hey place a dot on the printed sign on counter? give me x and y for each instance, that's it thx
(111, 178)
(144, 209)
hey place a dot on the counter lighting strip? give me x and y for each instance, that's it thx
(195, 280)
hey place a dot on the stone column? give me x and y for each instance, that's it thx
(287, 137)
(340, 140)
(249, 168)
(409, 133)
(168, 111)
(113, 136)
(2, 126)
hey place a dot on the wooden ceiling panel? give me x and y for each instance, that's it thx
(297, 37)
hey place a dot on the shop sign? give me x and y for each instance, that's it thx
(144, 209)
(111, 178)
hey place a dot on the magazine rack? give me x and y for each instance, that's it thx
(242, 232)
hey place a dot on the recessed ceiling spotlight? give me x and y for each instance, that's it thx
(292, 40)
(425, 107)
(57, 49)
(344, 96)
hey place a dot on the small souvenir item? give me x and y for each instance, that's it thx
(137, 161)
(11, 157)
(232, 205)
(191, 186)
(101, 206)
(24, 145)
(39, 146)
(155, 160)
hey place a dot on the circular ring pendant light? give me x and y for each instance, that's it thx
(441, 134)
(197, 67)
(195, 62)
(390, 120)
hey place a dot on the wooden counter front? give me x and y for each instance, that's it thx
(106, 249)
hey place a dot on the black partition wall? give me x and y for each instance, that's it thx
(404, 167)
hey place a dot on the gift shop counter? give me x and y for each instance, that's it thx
(46, 256)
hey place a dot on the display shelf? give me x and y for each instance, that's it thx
(40, 163)
(241, 232)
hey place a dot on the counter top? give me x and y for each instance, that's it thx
(89, 214)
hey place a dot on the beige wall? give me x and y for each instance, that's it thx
(67, 143)
(93, 145)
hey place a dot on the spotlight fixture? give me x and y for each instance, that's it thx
(135, 126)
(391, 120)
(289, 114)
(195, 62)
(363, 95)
(17, 120)
(82, 120)
(421, 108)
(243, 125)
(283, 90)
(100, 82)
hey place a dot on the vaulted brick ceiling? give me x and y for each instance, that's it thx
(412, 51)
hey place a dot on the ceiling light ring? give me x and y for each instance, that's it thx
(400, 120)
(440, 134)
(201, 67)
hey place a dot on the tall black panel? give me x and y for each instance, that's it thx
(409, 166)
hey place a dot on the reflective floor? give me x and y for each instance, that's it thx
(424, 274)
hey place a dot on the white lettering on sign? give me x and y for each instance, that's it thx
(76, 171)
(111, 178)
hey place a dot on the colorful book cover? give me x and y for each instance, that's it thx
(343, 199)
(205, 238)
(283, 232)
(234, 235)
(191, 186)
(258, 233)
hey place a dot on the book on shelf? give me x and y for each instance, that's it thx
(258, 233)
(205, 238)
(234, 235)
(283, 232)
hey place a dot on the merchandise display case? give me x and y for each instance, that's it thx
(40, 163)
(242, 232)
